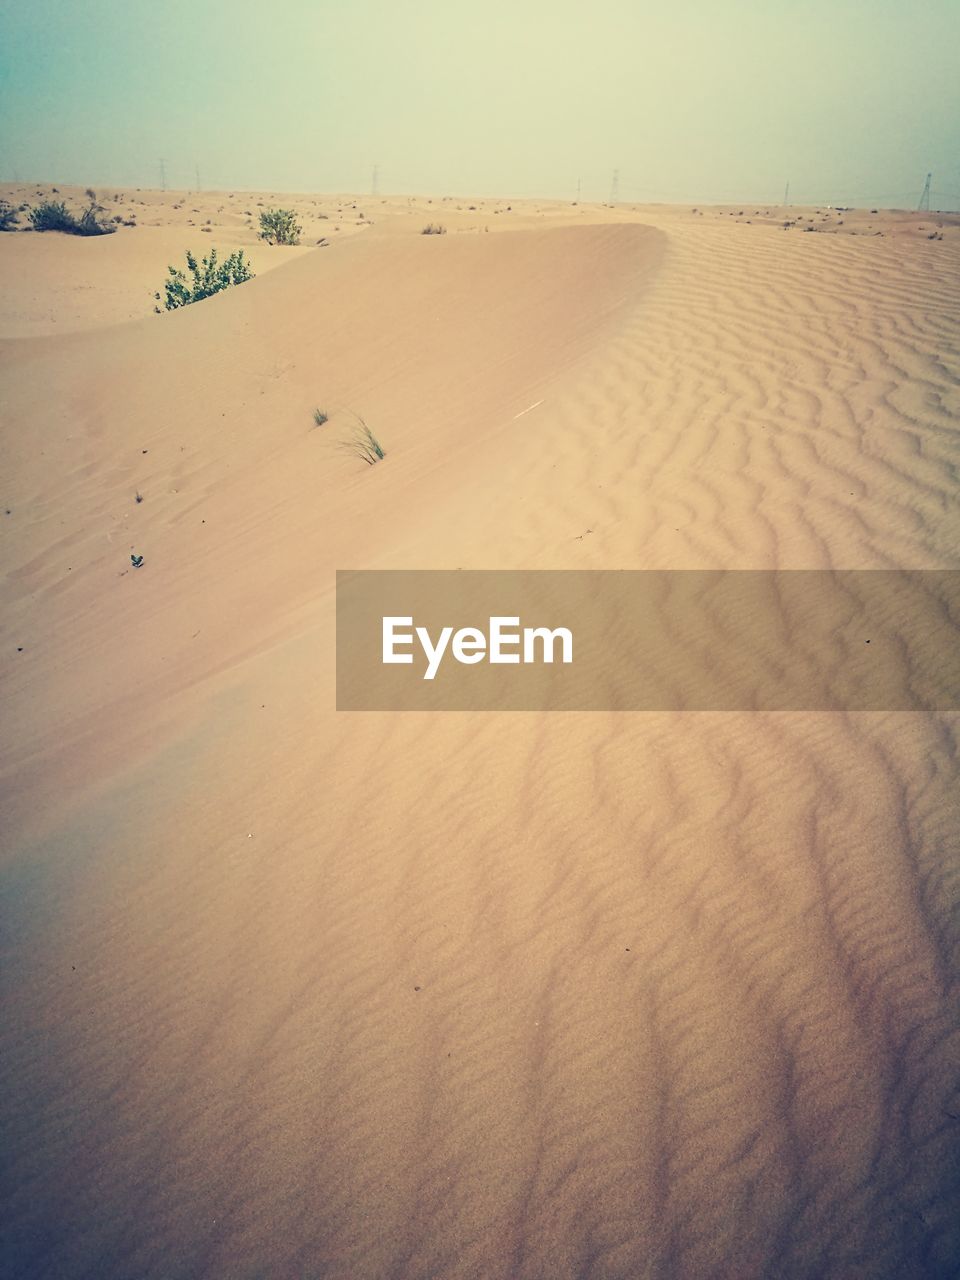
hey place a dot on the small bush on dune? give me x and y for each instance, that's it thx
(364, 444)
(52, 215)
(280, 226)
(433, 229)
(208, 276)
(8, 216)
(89, 223)
(361, 442)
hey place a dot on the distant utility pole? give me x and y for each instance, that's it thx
(163, 175)
(924, 205)
(615, 187)
(786, 194)
(197, 168)
(579, 185)
(375, 181)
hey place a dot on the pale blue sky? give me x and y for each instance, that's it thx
(852, 101)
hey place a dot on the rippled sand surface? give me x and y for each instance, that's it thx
(293, 993)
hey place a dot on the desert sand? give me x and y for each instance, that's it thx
(298, 993)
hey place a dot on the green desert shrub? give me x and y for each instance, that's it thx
(208, 276)
(53, 215)
(280, 226)
(8, 216)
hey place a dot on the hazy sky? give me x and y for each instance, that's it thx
(852, 101)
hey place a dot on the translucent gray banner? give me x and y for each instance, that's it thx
(657, 640)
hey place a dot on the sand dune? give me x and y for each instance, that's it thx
(294, 993)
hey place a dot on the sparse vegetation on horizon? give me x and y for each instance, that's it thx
(280, 226)
(53, 215)
(208, 277)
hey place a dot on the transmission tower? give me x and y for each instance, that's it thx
(786, 194)
(197, 167)
(924, 204)
(615, 187)
(163, 175)
(375, 181)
